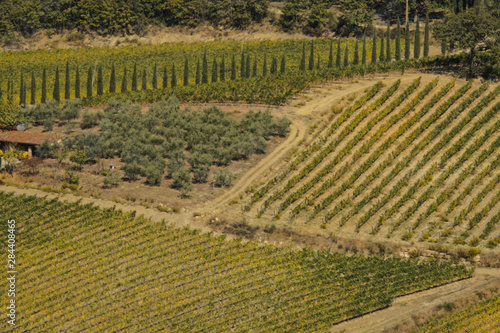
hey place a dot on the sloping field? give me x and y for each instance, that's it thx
(81, 268)
(414, 161)
(482, 317)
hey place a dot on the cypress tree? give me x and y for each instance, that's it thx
(56, 93)
(416, 50)
(186, 72)
(165, 78)
(112, 80)
(24, 89)
(382, 48)
(214, 71)
(44, 86)
(1, 95)
(374, 46)
(346, 56)
(77, 83)
(223, 69)
(134, 78)
(283, 64)
(233, 68)
(67, 83)
(247, 67)
(443, 47)
(124, 80)
(388, 55)
(274, 66)
(330, 55)
(89, 83)
(311, 56)
(338, 58)
(398, 41)
(356, 53)
(264, 66)
(426, 36)
(254, 69)
(318, 63)
(302, 65)
(144, 83)
(33, 88)
(155, 77)
(22, 98)
(204, 69)
(198, 74)
(242, 64)
(363, 58)
(407, 41)
(100, 84)
(173, 81)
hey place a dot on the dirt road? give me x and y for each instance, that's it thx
(405, 307)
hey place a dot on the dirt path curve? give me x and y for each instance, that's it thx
(405, 307)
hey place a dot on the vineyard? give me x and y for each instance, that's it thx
(116, 271)
(482, 317)
(414, 162)
(213, 71)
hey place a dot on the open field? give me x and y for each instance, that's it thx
(107, 262)
(415, 161)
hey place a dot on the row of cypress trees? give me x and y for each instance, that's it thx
(248, 68)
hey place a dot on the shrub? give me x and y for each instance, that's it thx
(111, 180)
(222, 178)
(90, 120)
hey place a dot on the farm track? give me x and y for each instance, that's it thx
(403, 308)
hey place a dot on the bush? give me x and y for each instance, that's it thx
(182, 180)
(70, 110)
(200, 174)
(222, 178)
(111, 180)
(90, 120)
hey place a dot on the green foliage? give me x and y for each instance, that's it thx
(155, 77)
(112, 80)
(388, 55)
(407, 41)
(100, 81)
(338, 56)
(426, 36)
(186, 72)
(416, 41)
(124, 80)
(134, 78)
(67, 83)
(144, 83)
(32, 90)
(173, 80)
(89, 82)
(204, 71)
(215, 71)
(56, 93)
(311, 56)
(374, 47)
(398, 42)
(222, 178)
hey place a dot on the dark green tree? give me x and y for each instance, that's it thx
(198, 73)
(89, 82)
(283, 64)
(242, 65)
(318, 64)
(56, 93)
(264, 66)
(426, 36)
(398, 41)
(330, 55)
(204, 68)
(165, 78)
(144, 83)
(416, 43)
(100, 83)
(124, 80)
(173, 81)
(374, 47)
(363, 57)
(24, 93)
(186, 72)
(214, 71)
(112, 80)
(346, 56)
(302, 65)
(233, 68)
(222, 75)
(388, 54)
(382, 48)
(22, 98)
(254, 68)
(444, 45)
(247, 67)
(338, 57)
(407, 41)
(134, 78)
(155, 77)
(77, 83)
(356, 53)
(33, 88)
(67, 83)
(311, 56)
(274, 66)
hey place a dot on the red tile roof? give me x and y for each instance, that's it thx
(27, 137)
